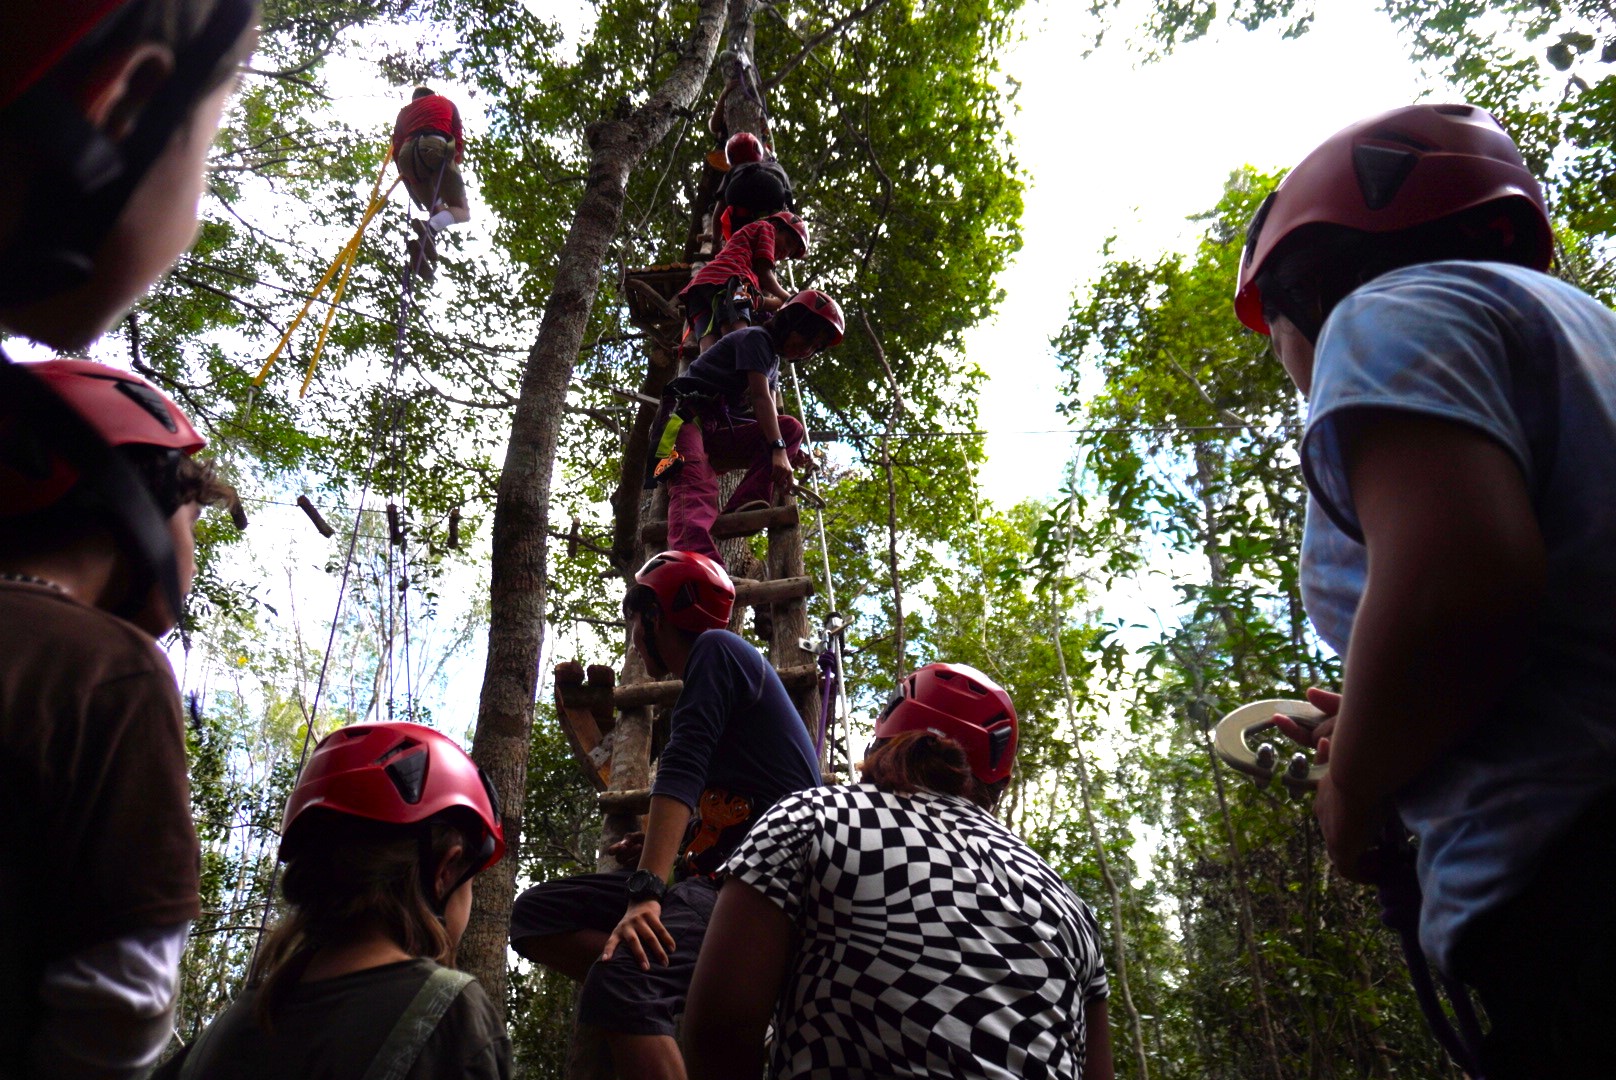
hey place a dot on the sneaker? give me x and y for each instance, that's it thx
(747, 507)
(421, 264)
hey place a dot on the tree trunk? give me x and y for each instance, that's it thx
(521, 512)
(1206, 470)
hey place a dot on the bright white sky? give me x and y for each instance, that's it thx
(1116, 147)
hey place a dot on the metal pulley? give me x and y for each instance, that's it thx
(1300, 775)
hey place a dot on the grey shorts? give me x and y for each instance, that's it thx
(420, 162)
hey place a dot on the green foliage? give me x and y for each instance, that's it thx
(1195, 472)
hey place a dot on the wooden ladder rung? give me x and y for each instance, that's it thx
(637, 801)
(666, 692)
(750, 592)
(655, 533)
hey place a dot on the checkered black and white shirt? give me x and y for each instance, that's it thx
(934, 943)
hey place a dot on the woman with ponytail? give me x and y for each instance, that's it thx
(893, 928)
(384, 832)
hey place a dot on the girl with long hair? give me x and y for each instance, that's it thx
(893, 928)
(383, 834)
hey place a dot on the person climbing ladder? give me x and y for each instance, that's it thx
(721, 415)
(428, 147)
(718, 299)
(736, 746)
(754, 187)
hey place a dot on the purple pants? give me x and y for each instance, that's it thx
(709, 449)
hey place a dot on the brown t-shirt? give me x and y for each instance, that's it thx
(96, 836)
(332, 1029)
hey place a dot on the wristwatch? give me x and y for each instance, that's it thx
(644, 885)
(778, 444)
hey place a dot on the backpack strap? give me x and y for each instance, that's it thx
(408, 1037)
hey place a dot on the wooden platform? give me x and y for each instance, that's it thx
(651, 293)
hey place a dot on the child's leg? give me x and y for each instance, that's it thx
(749, 446)
(693, 497)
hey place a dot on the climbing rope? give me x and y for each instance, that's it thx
(343, 264)
(830, 583)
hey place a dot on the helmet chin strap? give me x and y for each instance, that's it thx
(651, 650)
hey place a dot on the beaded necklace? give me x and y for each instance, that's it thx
(30, 579)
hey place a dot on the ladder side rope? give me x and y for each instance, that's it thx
(319, 687)
(398, 592)
(830, 583)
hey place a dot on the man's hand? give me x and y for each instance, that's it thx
(627, 850)
(641, 931)
(781, 471)
(1323, 700)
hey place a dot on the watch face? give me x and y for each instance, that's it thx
(643, 884)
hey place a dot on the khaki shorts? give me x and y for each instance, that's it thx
(420, 160)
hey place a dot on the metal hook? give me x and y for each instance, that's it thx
(1229, 740)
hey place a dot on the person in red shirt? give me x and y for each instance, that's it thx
(428, 147)
(718, 299)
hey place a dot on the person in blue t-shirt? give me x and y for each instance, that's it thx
(720, 415)
(736, 746)
(1460, 552)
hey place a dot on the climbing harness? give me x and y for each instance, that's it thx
(1396, 882)
(717, 810)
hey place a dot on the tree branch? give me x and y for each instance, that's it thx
(819, 39)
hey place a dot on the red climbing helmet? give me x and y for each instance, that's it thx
(817, 303)
(400, 774)
(795, 224)
(1404, 168)
(693, 591)
(36, 40)
(960, 703)
(80, 177)
(742, 148)
(123, 409)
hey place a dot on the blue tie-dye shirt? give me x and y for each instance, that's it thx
(1530, 362)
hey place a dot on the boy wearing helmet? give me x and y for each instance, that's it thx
(754, 187)
(1460, 553)
(736, 745)
(720, 415)
(717, 300)
(387, 827)
(894, 928)
(117, 102)
(428, 147)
